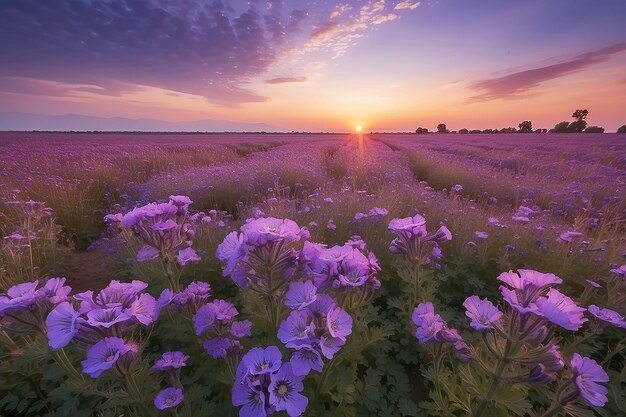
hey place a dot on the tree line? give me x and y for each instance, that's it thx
(579, 125)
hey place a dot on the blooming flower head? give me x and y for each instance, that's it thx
(268, 229)
(120, 293)
(223, 310)
(525, 287)
(144, 309)
(284, 389)
(321, 306)
(251, 399)
(204, 319)
(54, 291)
(608, 316)
(61, 325)
(168, 398)
(482, 312)
(587, 373)
(186, 256)
(410, 226)
(240, 329)
(217, 348)
(339, 323)
(300, 295)
(429, 326)
(561, 310)
(295, 327)
(171, 360)
(304, 359)
(259, 361)
(102, 356)
(106, 317)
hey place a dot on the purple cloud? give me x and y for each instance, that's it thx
(514, 84)
(283, 80)
(194, 47)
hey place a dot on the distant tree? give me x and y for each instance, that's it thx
(508, 130)
(622, 129)
(526, 126)
(577, 126)
(463, 131)
(475, 131)
(594, 129)
(560, 127)
(421, 130)
(441, 128)
(490, 131)
(580, 114)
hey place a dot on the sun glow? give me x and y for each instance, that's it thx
(358, 128)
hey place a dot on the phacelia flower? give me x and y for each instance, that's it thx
(259, 361)
(284, 389)
(608, 316)
(587, 373)
(171, 360)
(300, 295)
(61, 325)
(482, 313)
(187, 255)
(102, 356)
(339, 323)
(561, 310)
(168, 398)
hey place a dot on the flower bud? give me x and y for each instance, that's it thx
(539, 375)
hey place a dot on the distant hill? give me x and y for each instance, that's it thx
(77, 122)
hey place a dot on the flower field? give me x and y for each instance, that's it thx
(312, 275)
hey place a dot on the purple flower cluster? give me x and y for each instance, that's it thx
(170, 363)
(113, 311)
(164, 229)
(315, 328)
(216, 319)
(529, 291)
(109, 352)
(188, 301)
(431, 326)
(411, 236)
(264, 384)
(586, 374)
(345, 267)
(264, 247)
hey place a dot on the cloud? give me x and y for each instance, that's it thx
(410, 5)
(515, 84)
(191, 46)
(284, 80)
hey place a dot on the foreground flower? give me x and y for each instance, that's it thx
(587, 373)
(561, 310)
(168, 398)
(339, 323)
(284, 389)
(482, 312)
(102, 356)
(608, 316)
(61, 325)
(268, 229)
(300, 295)
(252, 402)
(259, 361)
(171, 360)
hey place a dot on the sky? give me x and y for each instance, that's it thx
(388, 65)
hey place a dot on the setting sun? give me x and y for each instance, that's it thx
(358, 128)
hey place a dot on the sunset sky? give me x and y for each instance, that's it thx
(316, 65)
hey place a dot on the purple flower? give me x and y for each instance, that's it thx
(147, 253)
(561, 310)
(269, 229)
(304, 359)
(163, 226)
(144, 309)
(196, 293)
(284, 389)
(422, 310)
(19, 296)
(102, 356)
(54, 291)
(296, 327)
(621, 271)
(527, 277)
(339, 323)
(224, 311)
(61, 325)
(259, 361)
(251, 400)
(321, 306)
(522, 306)
(481, 312)
(171, 360)
(330, 345)
(240, 329)
(120, 293)
(106, 317)
(187, 255)
(232, 250)
(217, 347)
(481, 235)
(204, 319)
(168, 398)
(608, 316)
(587, 373)
(410, 226)
(300, 295)
(429, 326)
